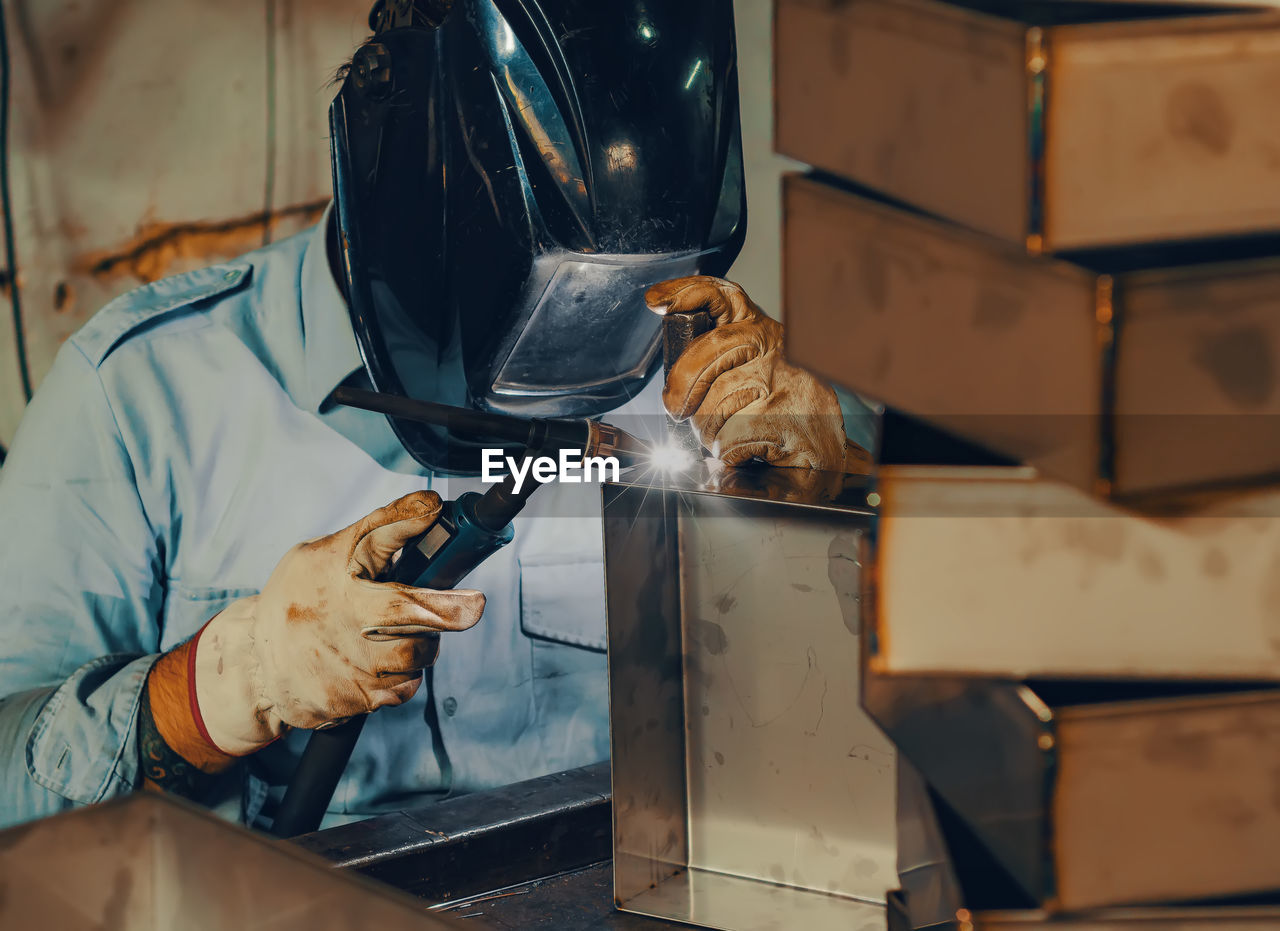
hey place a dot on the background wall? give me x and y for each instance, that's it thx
(759, 267)
(148, 137)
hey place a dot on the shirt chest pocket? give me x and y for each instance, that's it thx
(562, 602)
(562, 613)
(187, 609)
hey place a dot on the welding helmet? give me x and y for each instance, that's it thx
(510, 176)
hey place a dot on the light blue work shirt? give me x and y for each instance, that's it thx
(180, 444)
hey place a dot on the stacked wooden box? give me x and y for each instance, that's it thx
(1053, 229)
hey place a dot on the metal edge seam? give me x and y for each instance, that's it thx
(1106, 309)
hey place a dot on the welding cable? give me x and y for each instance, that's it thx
(269, 181)
(6, 208)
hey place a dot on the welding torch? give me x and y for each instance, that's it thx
(469, 529)
(535, 434)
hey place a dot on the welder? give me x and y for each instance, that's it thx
(191, 577)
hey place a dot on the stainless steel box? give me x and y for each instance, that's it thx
(1028, 578)
(1056, 126)
(1129, 379)
(1092, 794)
(750, 789)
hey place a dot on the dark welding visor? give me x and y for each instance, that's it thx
(511, 175)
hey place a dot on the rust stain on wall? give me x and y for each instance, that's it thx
(153, 251)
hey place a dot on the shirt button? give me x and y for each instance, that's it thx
(450, 706)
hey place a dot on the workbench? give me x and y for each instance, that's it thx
(531, 855)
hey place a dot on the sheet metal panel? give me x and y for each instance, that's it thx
(750, 788)
(1055, 127)
(149, 861)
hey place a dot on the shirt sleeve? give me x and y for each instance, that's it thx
(80, 599)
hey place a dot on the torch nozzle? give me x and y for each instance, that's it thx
(607, 440)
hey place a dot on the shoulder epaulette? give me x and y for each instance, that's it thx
(154, 302)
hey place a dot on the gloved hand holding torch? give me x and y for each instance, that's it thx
(744, 400)
(324, 641)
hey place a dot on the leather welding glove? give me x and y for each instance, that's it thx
(743, 398)
(325, 641)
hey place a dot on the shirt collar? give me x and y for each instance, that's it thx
(329, 347)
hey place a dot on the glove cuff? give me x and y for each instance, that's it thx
(172, 744)
(227, 695)
(193, 702)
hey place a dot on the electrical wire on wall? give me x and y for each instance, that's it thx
(6, 208)
(269, 182)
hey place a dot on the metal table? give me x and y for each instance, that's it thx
(531, 855)
(576, 901)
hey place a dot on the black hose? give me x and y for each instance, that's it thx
(532, 433)
(6, 209)
(463, 420)
(311, 788)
